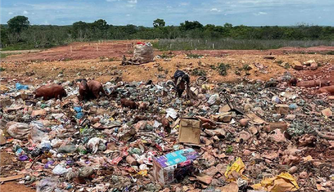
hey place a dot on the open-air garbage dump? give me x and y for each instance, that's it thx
(184, 131)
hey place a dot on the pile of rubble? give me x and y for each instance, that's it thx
(233, 137)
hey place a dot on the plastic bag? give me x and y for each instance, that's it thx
(281, 183)
(46, 185)
(19, 86)
(38, 131)
(171, 113)
(143, 53)
(18, 130)
(59, 170)
(214, 99)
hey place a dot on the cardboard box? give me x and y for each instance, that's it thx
(190, 131)
(173, 166)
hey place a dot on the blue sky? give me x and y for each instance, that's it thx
(143, 12)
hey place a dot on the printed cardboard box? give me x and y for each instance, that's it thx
(173, 166)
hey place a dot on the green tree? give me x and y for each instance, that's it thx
(190, 25)
(4, 36)
(159, 23)
(100, 24)
(18, 24)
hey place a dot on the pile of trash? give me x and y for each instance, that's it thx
(143, 53)
(232, 137)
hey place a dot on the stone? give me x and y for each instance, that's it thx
(283, 126)
(314, 66)
(303, 175)
(244, 122)
(297, 65)
(293, 169)
(253, 130)
(327, 112)
(290, 117)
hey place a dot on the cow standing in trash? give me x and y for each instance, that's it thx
(181, 82)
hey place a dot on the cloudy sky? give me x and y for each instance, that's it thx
(143, 12)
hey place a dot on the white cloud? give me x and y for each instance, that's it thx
(128, 15)
(215, 10)
(260, 13)
(132, 1)
(184, 4)
(25, 12)
(10, 13)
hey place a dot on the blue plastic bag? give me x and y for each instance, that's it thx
(77, 109)
(19, 86)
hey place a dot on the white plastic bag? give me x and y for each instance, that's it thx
(59, 170)
(143, 53)
(18, 130)
(171, 113)
(214, 99)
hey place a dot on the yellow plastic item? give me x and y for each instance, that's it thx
(142, 173)
(238, 167)
(281, 183)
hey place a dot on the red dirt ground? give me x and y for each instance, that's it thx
(116, 49)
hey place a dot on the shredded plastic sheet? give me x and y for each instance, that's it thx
(237, 167)
(281, 183)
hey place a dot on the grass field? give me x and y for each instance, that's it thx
(201, 44)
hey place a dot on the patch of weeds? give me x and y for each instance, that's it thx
(198, 72)
(160, 68)
(213, 67)
(3, 55)
(279, 61)
(67, 59)
(166, 71)
(229, 149)
(2, 69)
(194, 56)
(330, 53)
(222, 68)
(167, 55)
(246, 67)
(112, 59)
(286, 66)
(237, 72)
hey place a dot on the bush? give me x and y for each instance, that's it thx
(195, 56)
(222, 68)
(198, 72)
(246, 67)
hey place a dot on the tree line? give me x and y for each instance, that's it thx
(19, 34)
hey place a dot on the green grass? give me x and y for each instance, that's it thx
(194, 56)
(198, 72)
(229, 149)
(236, 44)
(3, 55)
(246, 67)
(223, 68)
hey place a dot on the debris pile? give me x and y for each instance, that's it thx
(141, 137)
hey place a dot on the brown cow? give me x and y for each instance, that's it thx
(50, 91)
(90, 89)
